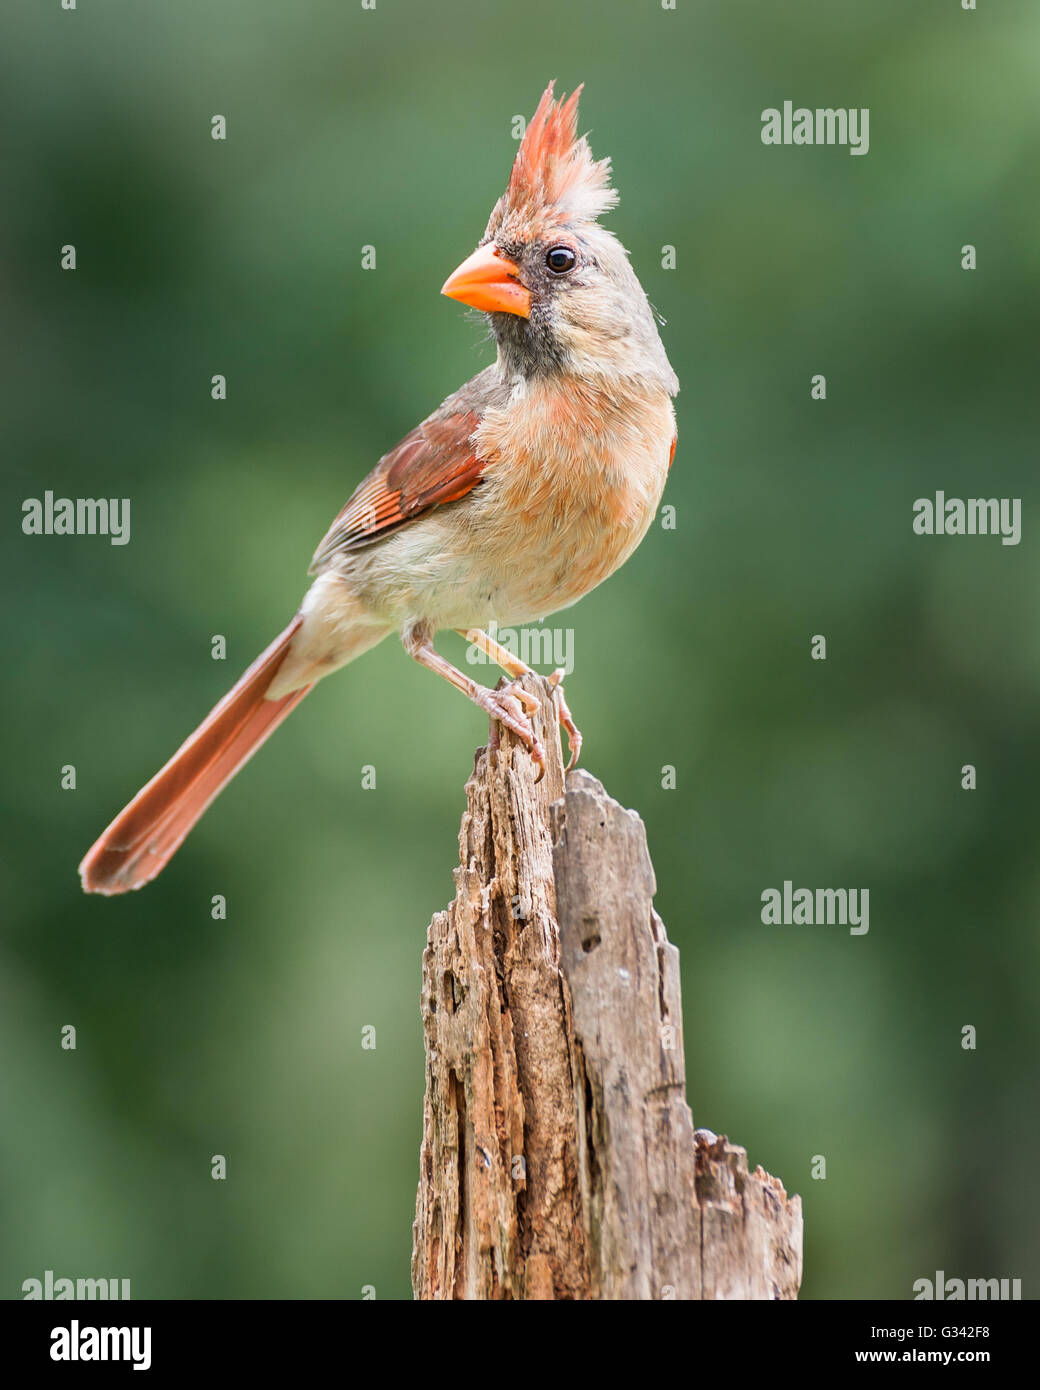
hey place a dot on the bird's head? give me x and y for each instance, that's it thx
(557, 287)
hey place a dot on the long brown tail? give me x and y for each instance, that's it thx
(146, 834)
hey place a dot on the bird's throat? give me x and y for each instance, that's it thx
(527, 347)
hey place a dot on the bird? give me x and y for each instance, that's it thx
(520, 493)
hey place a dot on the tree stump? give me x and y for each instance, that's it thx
(559, 1158)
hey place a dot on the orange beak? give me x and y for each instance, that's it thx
(490, 281)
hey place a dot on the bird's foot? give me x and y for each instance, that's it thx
(566, 719)
(512, 708)
(525, 698)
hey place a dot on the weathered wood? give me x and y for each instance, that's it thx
(751, 1231)
(558, 1157)
(498, 1212)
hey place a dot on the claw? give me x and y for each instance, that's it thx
(574, 739)
(538, 756)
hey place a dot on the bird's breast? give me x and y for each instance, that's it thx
(574, 478)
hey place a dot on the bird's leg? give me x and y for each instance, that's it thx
(514, 667)
(504, 705)
(566, 719)
(506, 660)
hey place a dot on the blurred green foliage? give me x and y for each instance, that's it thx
(391, 128)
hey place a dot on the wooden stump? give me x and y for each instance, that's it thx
(558, 1157)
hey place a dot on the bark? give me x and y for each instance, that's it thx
(559, 1158)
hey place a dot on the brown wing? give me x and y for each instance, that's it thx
(434, 464)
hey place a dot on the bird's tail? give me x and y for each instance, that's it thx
(146, 834)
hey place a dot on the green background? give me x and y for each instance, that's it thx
(393, 128)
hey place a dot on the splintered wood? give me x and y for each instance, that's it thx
(559, 1158)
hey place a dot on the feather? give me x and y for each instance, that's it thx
(432, 465)
(554, 176)
(147, 832)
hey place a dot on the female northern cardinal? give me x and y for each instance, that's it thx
(522, 492)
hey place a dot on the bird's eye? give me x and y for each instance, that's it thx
(561, 259)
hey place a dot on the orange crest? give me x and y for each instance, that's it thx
(554, 176)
